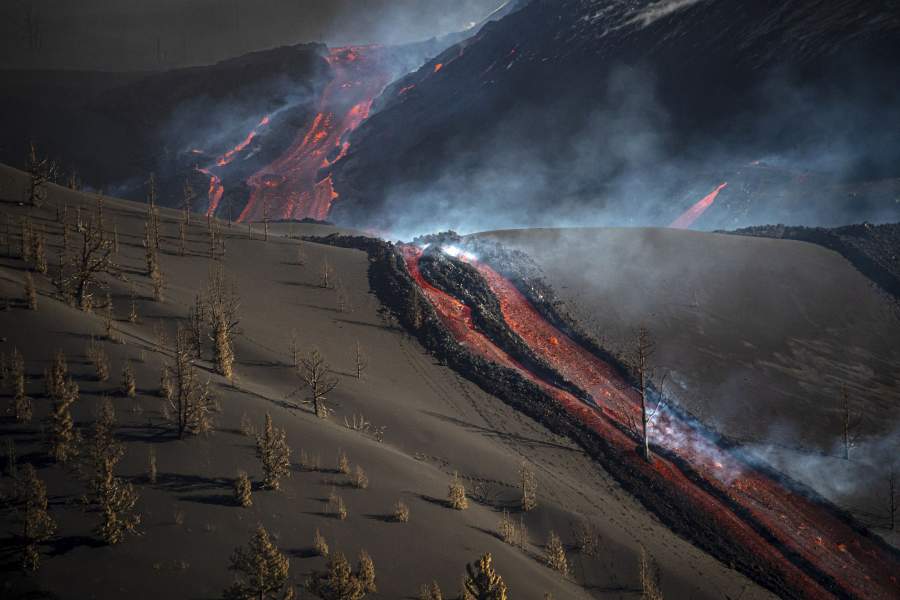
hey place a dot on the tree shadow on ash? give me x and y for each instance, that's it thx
(382, 518)
(143, 433)
(372, 325)
(513, 437)
(309, 552)
(314, 286)
(436, 501)
(64, 545)
(174, 482)
(212, 499)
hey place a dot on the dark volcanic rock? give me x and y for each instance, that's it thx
(635, 110)
(873, 249)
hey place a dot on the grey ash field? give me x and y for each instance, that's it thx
(435, 422)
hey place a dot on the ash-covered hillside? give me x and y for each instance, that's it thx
(622, 112)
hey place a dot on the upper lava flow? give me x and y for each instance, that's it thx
(297, 184)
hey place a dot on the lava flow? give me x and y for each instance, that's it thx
(804, 542)
(216, 188)
(693, 213)
(296, 185)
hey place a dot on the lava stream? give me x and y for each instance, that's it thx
(216, 188)
(693, 213)
(295, 186)
(804, 527)
(800, 527)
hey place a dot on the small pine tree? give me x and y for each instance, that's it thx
(366, 570)
(273, 451)
(151, 466)
(649, 578)
(529, 488)
(39, 252)
(343, 463)
(165, 384)
(63, 438)
(261, 570)
(243, 490)
(431, 591)
(22, 408)
(38, 525)
(108, 317)
(55, 376)
(133, 314)
(360, 479)
(401, 512)
(337, 507)
(456, 493)
(129, 385)
(31, 299)
(116, 500)
(338, 582)
(221, 309)
(97, 355)
(555, 554)
(482, 582)
(587, 538)
(320, 545)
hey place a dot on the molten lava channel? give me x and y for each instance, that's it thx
(296, 185)
(790, 534)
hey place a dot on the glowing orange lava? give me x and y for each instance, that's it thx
(694, 212)
(295, 185)
(798, 526)
(216, 188)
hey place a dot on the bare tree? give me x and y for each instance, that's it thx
(187, 201)
(190, 404)
(362, 362)
(22, 407)
(37, 524)
(325, 274)
(850, 423)
(266, 217)
(640, 363)
(41, 171)
(295, 350)
(31, 299)
(93, 259)
(529, 487)
(222, 305)
(197, 325)
(315, 374)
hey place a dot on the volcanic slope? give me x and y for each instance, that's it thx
(580, 100)
(436, 423)
(759, 338)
